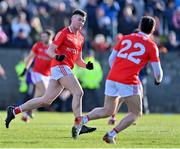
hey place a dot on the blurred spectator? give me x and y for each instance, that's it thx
(44, 17)
(111, 9)
(20, 22)
(90, 8)
(176, 21)
(103, 23)
(169, 13)
(99, 43)
(127, 21)
(172, 44)
(36, 29)
(59, 16)
(21, 41)
(3, 36)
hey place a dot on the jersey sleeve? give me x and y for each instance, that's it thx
(154, 54)
(59, 38)
(117, 46)
(35, 48)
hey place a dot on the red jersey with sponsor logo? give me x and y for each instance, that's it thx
(70, 45)
(134, 52)
(42, 62)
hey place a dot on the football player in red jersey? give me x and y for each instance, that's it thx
(128, 57)
(41, 69)
(65, 51)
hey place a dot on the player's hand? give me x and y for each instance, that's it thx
(23, 73)
(156, 83)
(60, 58)
(89, 65)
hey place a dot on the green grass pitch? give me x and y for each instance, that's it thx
(53, 130)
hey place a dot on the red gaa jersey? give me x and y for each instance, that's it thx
(42, 62)
(70, 45)
(134, 52)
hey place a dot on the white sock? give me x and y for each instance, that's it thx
(85, 119)
(112, 133)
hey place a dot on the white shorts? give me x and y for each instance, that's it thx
(113, 88)
(58, 72)
(37, 77)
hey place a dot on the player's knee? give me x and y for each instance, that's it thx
(138, 113)
(46, 102)
(78, 93)
(108, 112)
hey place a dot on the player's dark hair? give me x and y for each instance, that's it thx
(80, 12)
(147, 23)
(48, 32)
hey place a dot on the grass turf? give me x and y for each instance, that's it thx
(53, 130)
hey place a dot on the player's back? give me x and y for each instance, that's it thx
(134, 51)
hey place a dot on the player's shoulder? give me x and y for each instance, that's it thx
(37, 44)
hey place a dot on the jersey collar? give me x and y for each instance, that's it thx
(70, 29)
(146, 35)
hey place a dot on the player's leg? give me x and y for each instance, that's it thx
(109, 108)
(134, 104)
(71, 83)
(53, 90)
(39, 91)
(112, 119)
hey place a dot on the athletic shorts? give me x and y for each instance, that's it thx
(37, 77)
(60, 71)
(115, 89)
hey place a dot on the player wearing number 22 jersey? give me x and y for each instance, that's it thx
(128, 57)
(134, 52)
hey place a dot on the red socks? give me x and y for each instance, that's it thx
(17, 110)
(78, 121)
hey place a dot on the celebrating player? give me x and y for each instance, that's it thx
(65, 50)
(128, 57)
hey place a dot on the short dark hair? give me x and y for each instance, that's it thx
(79, 12)
(147, 23)
(48, 32)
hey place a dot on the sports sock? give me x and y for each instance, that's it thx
(17, 110)
(85, 119)
(113, 133)
(78, 121)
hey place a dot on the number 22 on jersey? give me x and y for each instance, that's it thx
(131, 56)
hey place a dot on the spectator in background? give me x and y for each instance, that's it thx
(111, 9)
(176, 21)
(59, 16)
(20, 23)
(3, 36)
(90, 8)
(44, 17)
(170, 7)
(127, 18)
(100, 44)
(21, 41)
(103, 23)
(172, 44)
(36, 29)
